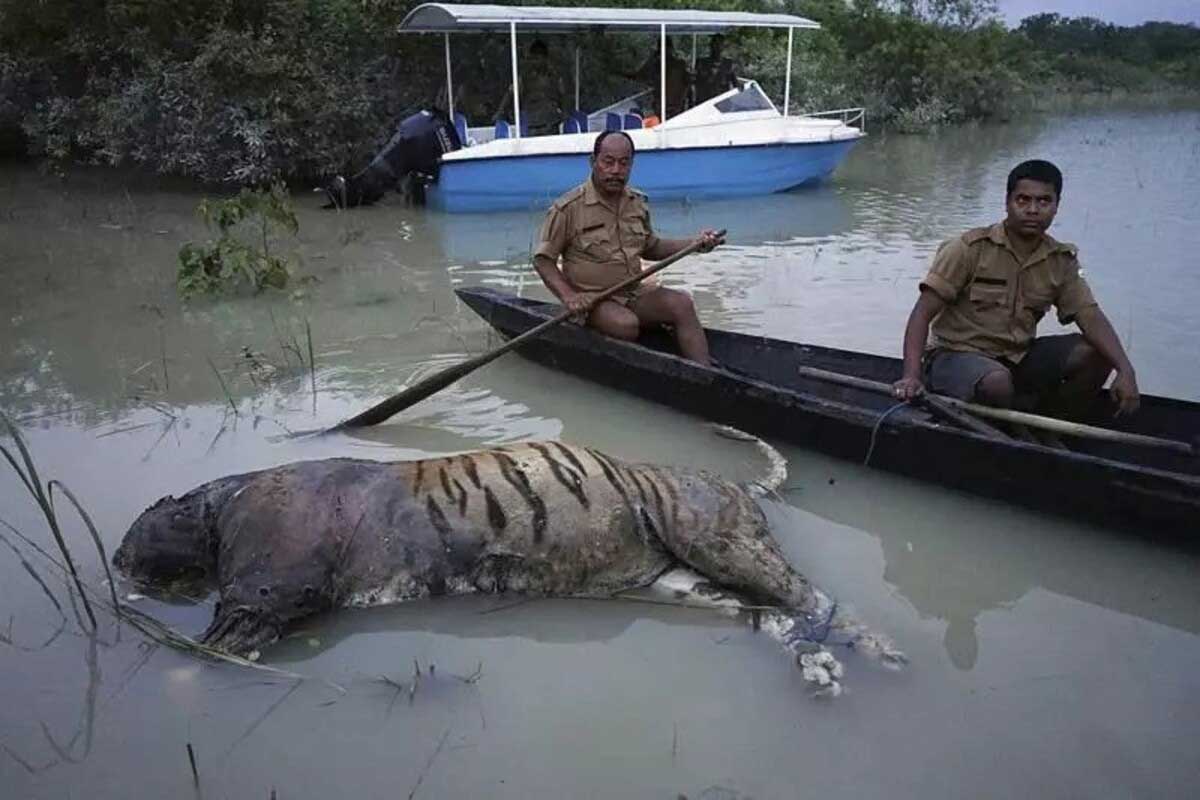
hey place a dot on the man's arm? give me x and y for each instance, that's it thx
(547, 269)
(1098, 332)
(1077, 304)
(916, 333)
(948, 275)
(665, 248)
(545, 261)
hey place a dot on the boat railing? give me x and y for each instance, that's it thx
(848, 116)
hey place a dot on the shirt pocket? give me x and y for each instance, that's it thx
(1037, 295)
(595, 242)
(988, 293)
(634, 234)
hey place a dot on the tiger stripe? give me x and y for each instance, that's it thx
(609, 471)
(658, 501)
(575, 462)
(472, 472)
(641, 489)
(563, 475)
(668, 486)
(495, 513)
(419, 478)
(462, 496)
(438, 519)
(517, 478)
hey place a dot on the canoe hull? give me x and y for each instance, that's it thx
(1158, 494)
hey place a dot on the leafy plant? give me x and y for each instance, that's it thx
(231, 260)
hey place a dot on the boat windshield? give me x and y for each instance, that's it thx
(750, 98)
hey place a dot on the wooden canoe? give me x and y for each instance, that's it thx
(757, 387)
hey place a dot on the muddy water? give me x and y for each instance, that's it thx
(1048, 658)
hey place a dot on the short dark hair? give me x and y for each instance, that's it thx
(604, 135)
(1036, 170)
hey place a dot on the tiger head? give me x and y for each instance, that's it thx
(175, 539)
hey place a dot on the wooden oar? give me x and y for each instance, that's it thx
(1008, 415)
(434, 383)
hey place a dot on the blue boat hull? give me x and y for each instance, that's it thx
(533, 181)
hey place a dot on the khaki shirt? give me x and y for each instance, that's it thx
(994, 299)
(600, 245)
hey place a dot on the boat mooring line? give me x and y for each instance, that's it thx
(875, 430)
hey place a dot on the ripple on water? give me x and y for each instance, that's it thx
(1049, 658)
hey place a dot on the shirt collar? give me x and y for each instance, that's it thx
(1048, 245)
(592, 196)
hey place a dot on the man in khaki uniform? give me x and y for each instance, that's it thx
(602, 231)
(984, 296)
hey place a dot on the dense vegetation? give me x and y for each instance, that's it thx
(241, 92)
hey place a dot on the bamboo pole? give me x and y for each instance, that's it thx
(1009, 415)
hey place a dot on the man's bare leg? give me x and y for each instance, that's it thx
(1086, 371)
(676, 308)
(615, 320)
(996, 389)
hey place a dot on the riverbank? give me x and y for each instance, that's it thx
(300, 90)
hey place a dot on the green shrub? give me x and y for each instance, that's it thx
(231, 262)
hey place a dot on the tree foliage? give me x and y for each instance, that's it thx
(228, 91)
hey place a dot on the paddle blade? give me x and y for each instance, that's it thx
(409, 397)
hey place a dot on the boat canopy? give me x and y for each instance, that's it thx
(470, 18)
(448, 18)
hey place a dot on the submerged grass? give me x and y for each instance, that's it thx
(33, 483)
(224, 388)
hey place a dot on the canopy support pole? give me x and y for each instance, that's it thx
(516, 82)
(662, 83)
(693, 100)
(449, 80)
(576, 78)
(787, 81)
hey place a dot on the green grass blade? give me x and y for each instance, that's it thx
(91, 526)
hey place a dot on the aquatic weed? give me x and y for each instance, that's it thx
(231, 261)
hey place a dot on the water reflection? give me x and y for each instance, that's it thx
(955, 558)
(1023, 630)
(509, 238)
(548, 621)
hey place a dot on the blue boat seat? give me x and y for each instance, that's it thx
(612, 122)
(504, 130)
(460, 125)
(581, 119)
(633, 121)
(571, 126)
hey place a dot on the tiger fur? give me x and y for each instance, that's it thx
(543, 518)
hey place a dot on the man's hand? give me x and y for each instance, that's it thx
(908, 389)
(709, 239)
(1124, 391)
(580, 303)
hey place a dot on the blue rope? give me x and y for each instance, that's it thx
(878, 424)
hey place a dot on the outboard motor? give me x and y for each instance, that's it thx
(414, 150)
